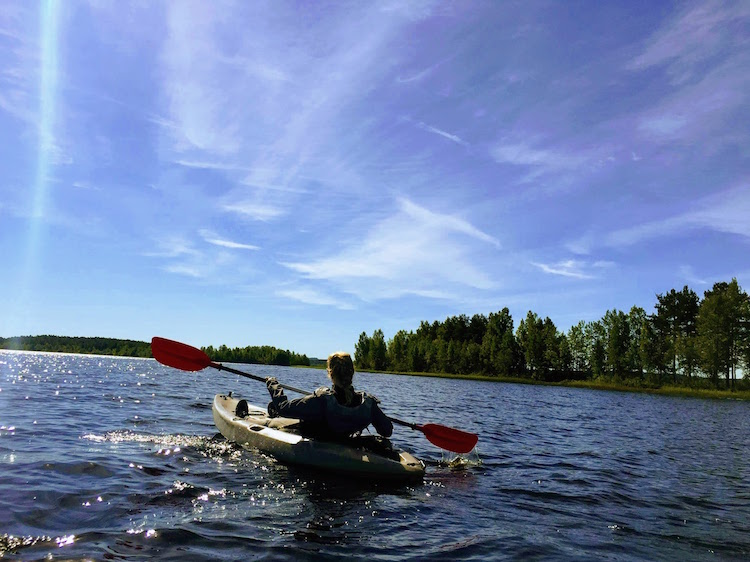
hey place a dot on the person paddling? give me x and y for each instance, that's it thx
(339, 411)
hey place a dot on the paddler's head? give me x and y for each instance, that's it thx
(341, 369)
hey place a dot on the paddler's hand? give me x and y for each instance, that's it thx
(275, 390)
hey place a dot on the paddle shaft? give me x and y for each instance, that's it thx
(405, 423)
(221, 367)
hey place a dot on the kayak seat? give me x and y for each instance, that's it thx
(241, 410)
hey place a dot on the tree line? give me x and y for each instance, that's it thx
(685, 340)
(257, 355)
(65, 344)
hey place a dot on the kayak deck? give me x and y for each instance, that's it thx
(370, 457)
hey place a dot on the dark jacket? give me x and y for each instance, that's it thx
(323, 411)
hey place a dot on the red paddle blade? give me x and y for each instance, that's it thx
(449, 438)
(178, 355)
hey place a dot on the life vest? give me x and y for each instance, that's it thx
(346, 420)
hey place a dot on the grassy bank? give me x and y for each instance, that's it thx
(668, 390)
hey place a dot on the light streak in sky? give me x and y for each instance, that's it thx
(46, 153)
(47, 98)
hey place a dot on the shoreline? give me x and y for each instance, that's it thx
(666, 390)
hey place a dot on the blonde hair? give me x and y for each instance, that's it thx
(340, 369)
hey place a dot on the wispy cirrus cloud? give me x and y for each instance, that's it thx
(211, 238)
(190, 256)
(414, 251)
(727, 212)
(30, 79)
(568, 268)
(577, 269)
(522, 154)
(254, 101)
(312, 296)
(691, 37)
(187, 270)
(254, 210)
(178, 255)
(438, 221)
(212, 165)
(688, 273)
(708, 66)
(192, 86)
(172, 247)
(543, 161)
(444, 134)
(19, 58)
(420, 74)
(693, 112)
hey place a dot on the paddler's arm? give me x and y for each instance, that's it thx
(380, 421)
(308, 408)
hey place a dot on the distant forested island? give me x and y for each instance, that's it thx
(686, 341)
(263, 355)
(65, 344)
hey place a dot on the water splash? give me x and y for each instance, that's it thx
(11, 544)
(218, 449)
(460, 462)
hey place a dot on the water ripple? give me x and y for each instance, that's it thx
(561, 474)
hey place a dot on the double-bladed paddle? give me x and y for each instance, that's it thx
(187, 358)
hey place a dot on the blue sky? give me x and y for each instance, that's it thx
(294, 174)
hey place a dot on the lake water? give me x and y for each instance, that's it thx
(117, 458)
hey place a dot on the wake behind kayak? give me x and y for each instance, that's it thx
(367, 457)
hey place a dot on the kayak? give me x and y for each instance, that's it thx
(370, 457)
